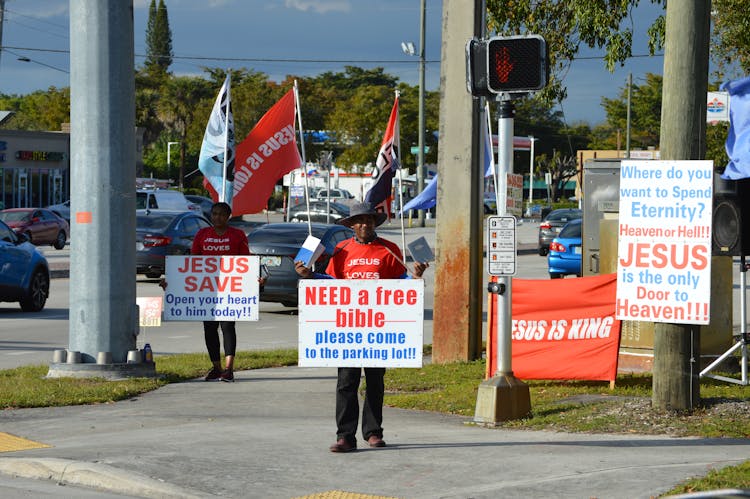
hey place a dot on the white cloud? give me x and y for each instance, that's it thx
(319, 6)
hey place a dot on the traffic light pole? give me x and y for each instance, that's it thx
(503, 397)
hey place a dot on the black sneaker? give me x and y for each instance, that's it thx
(213, 375)
(227, 375)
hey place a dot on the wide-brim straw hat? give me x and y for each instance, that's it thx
(358, 209)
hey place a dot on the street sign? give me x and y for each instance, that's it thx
(501, 245)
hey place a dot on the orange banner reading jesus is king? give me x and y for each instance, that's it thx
(561, 329)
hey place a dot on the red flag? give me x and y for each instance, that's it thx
(268, 152)
(387, 162)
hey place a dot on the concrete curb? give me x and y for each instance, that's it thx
(96, 476)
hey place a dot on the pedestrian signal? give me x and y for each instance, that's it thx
(516, 64)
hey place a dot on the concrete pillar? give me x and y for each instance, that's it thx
(102, 262)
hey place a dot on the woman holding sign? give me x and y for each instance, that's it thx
(221, 239)
(364, 256)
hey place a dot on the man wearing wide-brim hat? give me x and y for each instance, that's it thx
(364, 256)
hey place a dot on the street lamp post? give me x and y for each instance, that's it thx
(169, 158)
(408, 48)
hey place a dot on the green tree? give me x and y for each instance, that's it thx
(178, 108)
(645, 116)
(567, 24)
(731, 35)
(359, 123)
(41, 110)
(158, 39)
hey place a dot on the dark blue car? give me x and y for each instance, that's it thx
(24, 273)
(564, 257)
(159, 233)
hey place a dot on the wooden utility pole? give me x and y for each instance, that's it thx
(676, 384)
(457, 319)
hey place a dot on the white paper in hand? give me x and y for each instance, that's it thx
(310, 251)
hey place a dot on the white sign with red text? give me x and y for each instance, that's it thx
(361, 323)
(211, 288)
(664, 249)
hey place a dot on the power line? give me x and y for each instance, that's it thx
(299, 60)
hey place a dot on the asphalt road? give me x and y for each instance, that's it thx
(32, 338)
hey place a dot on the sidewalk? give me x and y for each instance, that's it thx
(267, 436)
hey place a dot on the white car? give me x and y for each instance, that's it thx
(163, 199)
(338, 195)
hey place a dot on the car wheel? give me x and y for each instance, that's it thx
(289, 303)
(555, 276)
(296, 220)
(543, 251)
(153, 275)
(59, 241)
(37, 293)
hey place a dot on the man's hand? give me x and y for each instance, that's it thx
(419, 268)
(302, 271)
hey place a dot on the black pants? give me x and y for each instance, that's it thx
(347, 402)
(211, 334)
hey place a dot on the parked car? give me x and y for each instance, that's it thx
(62, 210)
(339, 195)
(278, 243)
(24, 273)
(205, 204)
(163, 199)
(551, 224)
(246, 226)
(564, 256)
(160, 233)
(318, 212)
(41, 226)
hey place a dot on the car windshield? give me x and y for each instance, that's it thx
(153, 222)
(15, 216)
(570, 231)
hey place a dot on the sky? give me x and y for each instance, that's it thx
(298, 37)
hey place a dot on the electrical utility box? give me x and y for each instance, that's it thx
(601, 207)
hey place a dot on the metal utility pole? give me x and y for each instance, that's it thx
(420, 154)
(676, 383)
(457, 332)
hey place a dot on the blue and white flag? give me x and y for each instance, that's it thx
(425, 199)
(218, 142)
(738, 139)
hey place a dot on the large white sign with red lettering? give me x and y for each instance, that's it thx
(211, 288)
(664, 250)
(361, 323)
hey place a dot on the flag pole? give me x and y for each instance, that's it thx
(400, 173)
(226, 137)
(304, 160)
(492, 152)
